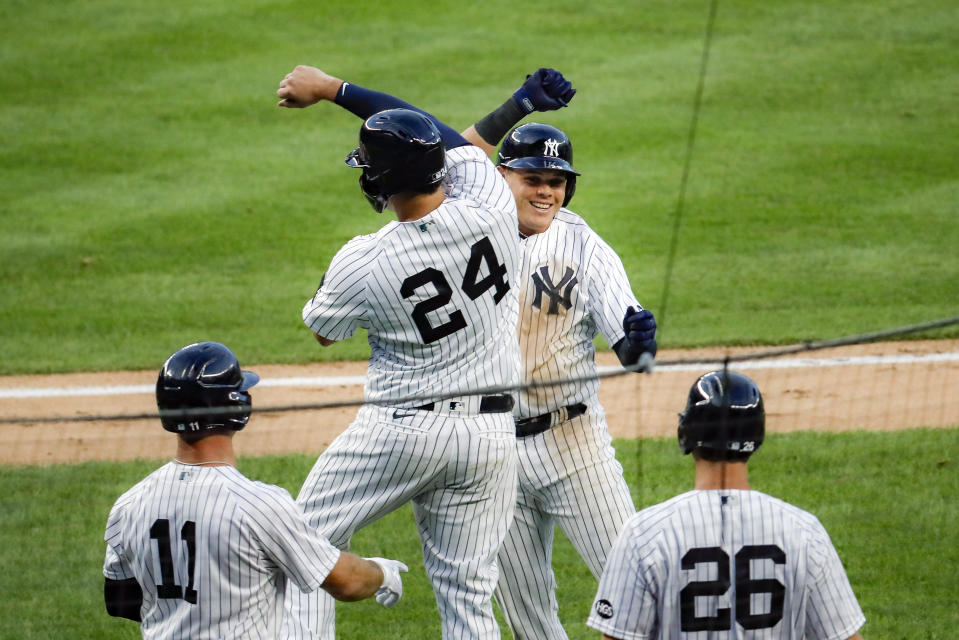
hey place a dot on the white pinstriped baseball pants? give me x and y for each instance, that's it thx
(568, 476)
(460, 474)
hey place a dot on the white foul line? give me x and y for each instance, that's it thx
(333, 381)
(129, 389)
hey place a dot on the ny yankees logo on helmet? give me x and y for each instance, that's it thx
(540, 146)
(544, 284)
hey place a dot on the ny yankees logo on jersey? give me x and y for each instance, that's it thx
(544, 284)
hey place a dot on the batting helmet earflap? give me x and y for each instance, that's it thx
(724, 414)
(201, 376)
(540, 146)
(400, 150)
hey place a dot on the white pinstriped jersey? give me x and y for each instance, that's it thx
(212, 551)
(437, 295)
(725, 564)
(572, 286)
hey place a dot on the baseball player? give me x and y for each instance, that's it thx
(572, 285)
(436, 291)
(723, 561)
(197, 550)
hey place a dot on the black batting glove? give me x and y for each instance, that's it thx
(544, 90)
(640, 328)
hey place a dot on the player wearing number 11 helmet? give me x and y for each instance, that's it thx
(724, 561)
(198, 550)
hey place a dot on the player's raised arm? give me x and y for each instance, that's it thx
(544, 90)
(305, 86)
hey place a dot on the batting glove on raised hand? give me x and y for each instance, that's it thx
(544, 90)
(392, 589)
(640, 328)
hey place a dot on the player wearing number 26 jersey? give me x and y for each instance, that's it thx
(724, 561)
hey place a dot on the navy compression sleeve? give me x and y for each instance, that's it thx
(364, 102)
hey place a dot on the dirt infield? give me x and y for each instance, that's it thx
(838, 394)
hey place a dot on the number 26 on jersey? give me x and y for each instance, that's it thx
(746, 587)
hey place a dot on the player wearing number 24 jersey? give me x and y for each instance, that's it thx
(436, 291)
(196, 549)
(723, 561)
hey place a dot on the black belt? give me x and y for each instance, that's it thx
(539, 424)
(488, 404)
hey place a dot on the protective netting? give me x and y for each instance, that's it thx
(877, 381)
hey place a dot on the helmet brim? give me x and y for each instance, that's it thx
(540, 162)
(353, 160)
(249, 379)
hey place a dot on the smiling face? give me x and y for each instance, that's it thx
(539, 194)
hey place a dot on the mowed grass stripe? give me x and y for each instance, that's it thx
(151, 194)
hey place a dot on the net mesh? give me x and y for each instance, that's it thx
(870, 381)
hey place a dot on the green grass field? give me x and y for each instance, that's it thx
(887, 500)
(151, 194)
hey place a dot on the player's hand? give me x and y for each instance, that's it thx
(305, 86)
(640, 328)
(392, 589)
(544, 90)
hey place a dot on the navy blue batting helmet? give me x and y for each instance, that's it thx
(724, 415)
(201, 376)
(400, 150)
(540, 146)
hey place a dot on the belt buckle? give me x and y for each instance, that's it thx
(559, 416)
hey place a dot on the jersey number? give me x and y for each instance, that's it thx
(472, 285)
(160, 531)
(745, 588)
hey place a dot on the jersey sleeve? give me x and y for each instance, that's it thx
(625, 603)
(296, 548)
(338, 307)
(608, 290)
(471, 176)
(115, 564)
(833, 613)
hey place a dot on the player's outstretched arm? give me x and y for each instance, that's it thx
(544, 90)
(355, 578)
(305, 86)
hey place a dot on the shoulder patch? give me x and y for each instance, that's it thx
(604, 609)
